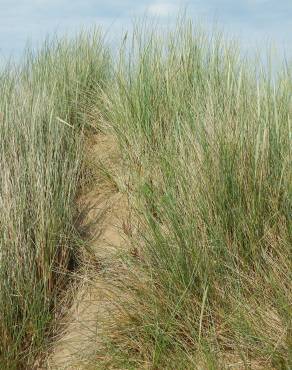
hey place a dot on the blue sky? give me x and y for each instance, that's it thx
(254, 22)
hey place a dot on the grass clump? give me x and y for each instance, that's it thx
(206, 137)
(41, 125)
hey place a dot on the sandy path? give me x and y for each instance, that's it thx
(94, 302)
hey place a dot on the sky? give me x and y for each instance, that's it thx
(257, 24)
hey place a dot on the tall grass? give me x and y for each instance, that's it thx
(206, 137)
(206, 144)
(41, 126)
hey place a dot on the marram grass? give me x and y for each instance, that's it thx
(206, 136)
(206, 142)
(41, 125)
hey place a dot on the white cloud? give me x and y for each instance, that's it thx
(162, 9)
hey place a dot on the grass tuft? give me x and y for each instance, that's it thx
(41, 124)
(206, 137)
